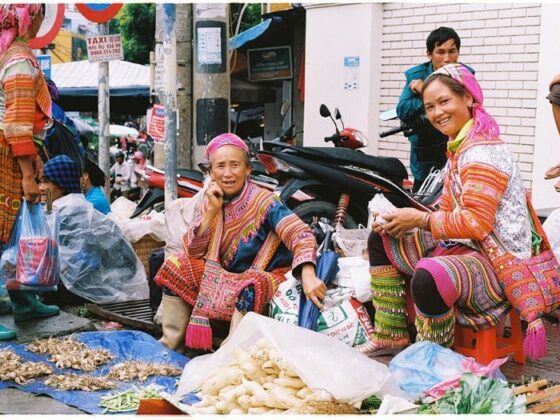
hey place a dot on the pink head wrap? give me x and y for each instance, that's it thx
(226, 139)
(14, 21)
(484, 125)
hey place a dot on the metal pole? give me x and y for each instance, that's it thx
(170, 100)
(103, 113)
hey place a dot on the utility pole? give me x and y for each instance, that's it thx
(183, 88)
(103, 112)
(211, 80)
(169, 99)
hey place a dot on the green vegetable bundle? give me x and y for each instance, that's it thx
(477, 395)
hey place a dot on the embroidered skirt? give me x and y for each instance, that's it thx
(481, 302)
(182, 275)
(11, 191)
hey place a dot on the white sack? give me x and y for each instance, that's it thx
(320, 361)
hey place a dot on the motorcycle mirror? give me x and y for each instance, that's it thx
(324, 111)
(338, 116)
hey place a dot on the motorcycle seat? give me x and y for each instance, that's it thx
(191, 174)
(390, 167)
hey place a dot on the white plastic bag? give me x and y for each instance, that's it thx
(552, 229)
(354, 273)
(179, 215)
(380, 205)
(352, 242)
(321, 362)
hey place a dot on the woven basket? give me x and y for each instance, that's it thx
(144, 246)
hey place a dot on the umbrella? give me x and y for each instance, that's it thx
(84, 129)
(122, 131)
(327, 267)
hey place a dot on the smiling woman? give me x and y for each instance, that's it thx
(449, 277)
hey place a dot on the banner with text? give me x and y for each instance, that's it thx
(156, 123)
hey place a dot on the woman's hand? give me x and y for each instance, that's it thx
(31, 191)
(215, 197)
(313, 287)
(401, 221)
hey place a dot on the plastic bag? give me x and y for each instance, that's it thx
(31, 259)
(97, 262)
(425, 364)
(354, 273)
(352, 242)
(179, 215)
(343, 318)
(320, 361)
(551, 227)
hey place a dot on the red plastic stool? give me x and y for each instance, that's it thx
(486, 345)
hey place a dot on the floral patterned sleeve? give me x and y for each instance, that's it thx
(294, 233)
(196, 243)
(483, 186)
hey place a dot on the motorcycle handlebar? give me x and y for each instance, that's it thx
(334, 138)
(392, 131)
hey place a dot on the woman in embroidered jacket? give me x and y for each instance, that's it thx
(244, 230)
(483, 193)
(24, 115)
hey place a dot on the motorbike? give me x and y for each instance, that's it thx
(342, 179)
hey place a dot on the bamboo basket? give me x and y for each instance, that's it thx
(144, 246)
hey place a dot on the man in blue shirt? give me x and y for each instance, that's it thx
(428, 145)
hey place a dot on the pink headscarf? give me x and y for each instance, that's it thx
(14, 21)
(226, 139)
(484, 125)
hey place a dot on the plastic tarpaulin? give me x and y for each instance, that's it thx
(124, 345)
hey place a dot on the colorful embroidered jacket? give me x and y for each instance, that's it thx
(248, 219)
(484, 176)
(25, 103)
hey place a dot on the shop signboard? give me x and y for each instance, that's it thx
(270, 63)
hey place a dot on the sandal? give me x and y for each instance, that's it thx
(553, 172)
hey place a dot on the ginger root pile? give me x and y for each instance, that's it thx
(259, 381)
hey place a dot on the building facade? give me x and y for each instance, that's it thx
(512, 47)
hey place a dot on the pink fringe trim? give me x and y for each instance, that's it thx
(534, 344)
(199, 334)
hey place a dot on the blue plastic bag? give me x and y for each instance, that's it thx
(31, 259)
(425, 364)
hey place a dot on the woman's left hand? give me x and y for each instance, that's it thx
(313, 287)
(401, 221)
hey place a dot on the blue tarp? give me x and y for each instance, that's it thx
(124, 345)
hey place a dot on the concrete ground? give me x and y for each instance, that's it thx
(14, 401)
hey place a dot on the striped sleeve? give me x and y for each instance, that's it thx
(482, 189)
(195, 243)
(294, 233)
(19, 117)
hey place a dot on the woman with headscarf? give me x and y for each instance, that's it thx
(483, 193)
(25, 114)
(242, 242)
(97, 262)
